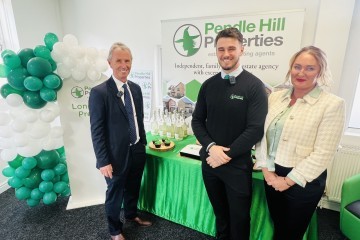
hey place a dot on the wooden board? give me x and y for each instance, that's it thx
(162, 148)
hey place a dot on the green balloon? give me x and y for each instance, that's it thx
(47, 94)
(61, 151)
(60, 187)
(56, 179)
(47, 159)
(52, 81)
(32, 83)
(8, 172)
(33, 99)
(53, 64)
(4, 71)
(65, 177)
(12, 60)
(15, 182)
(16, 162)
(67, 192)
(22, 193)
(6, 89)
(47, 174)
(60, 86)
(29, 163)
(60, 169)
(34, 178)
(39, 67)
(25, 55)
(32, 202)
(36, 194)
(21, 172)
(49, 197)
(7, 51)
(16, 78)
(46, 186)
(50, 39)
(42, 51)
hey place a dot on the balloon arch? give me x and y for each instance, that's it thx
(30, 137)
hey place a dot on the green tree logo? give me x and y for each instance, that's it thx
(187, 40)
(77, 92)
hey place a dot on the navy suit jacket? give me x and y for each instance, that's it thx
(110, 125)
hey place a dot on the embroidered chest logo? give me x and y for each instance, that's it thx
(233, 96)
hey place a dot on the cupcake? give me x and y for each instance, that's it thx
(157, 144)
(167, 142)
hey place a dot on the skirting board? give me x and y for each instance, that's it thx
(325, 203)
(3, 187)
(73, 204)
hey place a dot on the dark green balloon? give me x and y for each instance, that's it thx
(39, 67)
(25, 55)
(6, 89)
(47, 94)
(42, 51)
(50, 39)
(36, 194)
(4, 71)
(16, 162)
(16, 78)
(32, 83)
(53, 64)
(32, 202)
(12, 60)
(52, 81)
(22, 193)
(47, 159)
(34, 178)
(33, 99)
(61, 84)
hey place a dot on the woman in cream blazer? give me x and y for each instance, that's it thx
(303, 128)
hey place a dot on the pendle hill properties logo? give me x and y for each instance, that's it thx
(187, 40)
(77, 92)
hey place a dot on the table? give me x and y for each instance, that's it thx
(172, 188)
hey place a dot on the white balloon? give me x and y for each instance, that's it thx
(17, 112)
(56, 56)
(18, 125)
(54, 107)
(69, 62)
(8, 154)
(103, 53)
(56, 132)
(14, 100)
(63, 70)
(83, 65)
(6, 143)
(48, 144)
(70, 40)
(4, 107)
(30, 115)
(47, 116)
(58, 143)
(39, 130)
(101, 65)
(92, 53)
(21, 140)
(78, 75)
(6, 132)
(77, 52)
(93, 75)
(5, 119)
(32, 149)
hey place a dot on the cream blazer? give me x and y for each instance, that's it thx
(310, 136)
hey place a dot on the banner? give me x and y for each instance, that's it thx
(189, 54)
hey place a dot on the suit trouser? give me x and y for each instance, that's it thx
(291, 210)
(124, 189)
(229, 189)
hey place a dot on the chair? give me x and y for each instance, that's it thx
(350, 208)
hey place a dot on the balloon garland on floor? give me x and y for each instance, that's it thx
(30, 141)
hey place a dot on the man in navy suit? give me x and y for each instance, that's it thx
(119, 139)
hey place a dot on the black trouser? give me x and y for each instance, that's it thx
(125, 189)
(291, 210)
(229, 189)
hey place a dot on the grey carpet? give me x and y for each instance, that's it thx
(44, 222)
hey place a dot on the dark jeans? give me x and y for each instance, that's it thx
(291, 210)
(124, 189)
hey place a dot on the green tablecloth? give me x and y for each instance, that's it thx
(172, 188)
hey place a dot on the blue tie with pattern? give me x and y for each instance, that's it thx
(130, 112)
